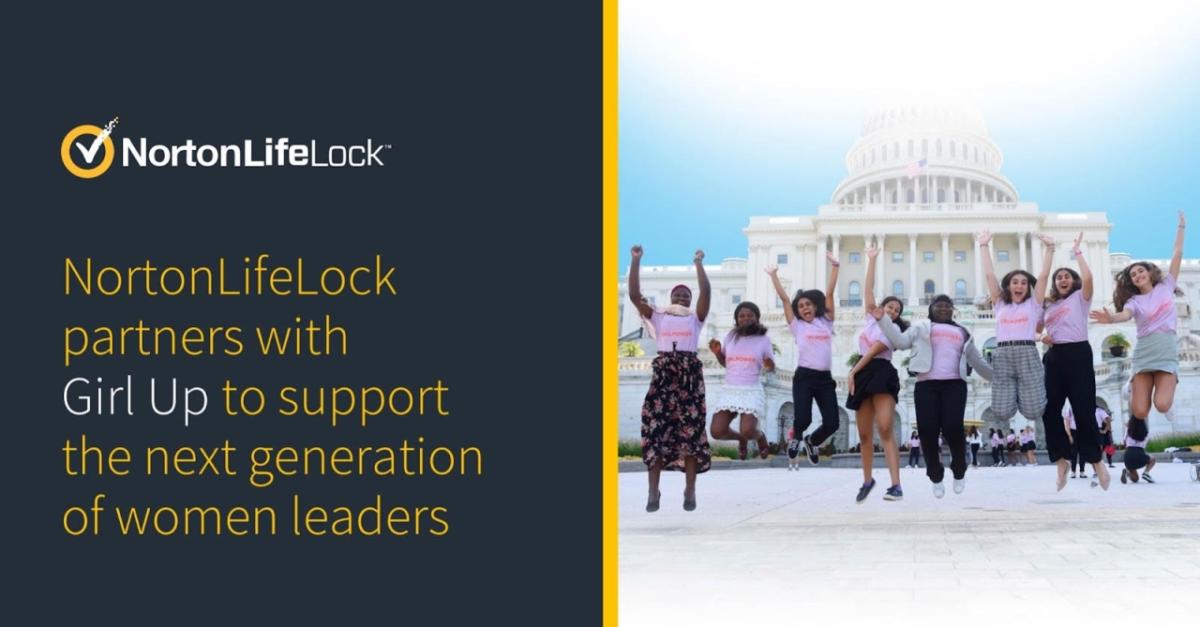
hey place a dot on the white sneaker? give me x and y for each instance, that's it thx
(1170, 414)
(960, 485)
(1127, 390)
(939, 490)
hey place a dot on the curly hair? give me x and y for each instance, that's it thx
(1126, 289)
(816, 296)
(1006, 295)
(755, 329)
(1076, 284)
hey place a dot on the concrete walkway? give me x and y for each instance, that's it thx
(770, 544)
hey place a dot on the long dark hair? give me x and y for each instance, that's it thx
(900, 321)
(974, 432)
(1006, 295)
(818, 300)
(1076, 284)
(1125, 288)
(755, 329)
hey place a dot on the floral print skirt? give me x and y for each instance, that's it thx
(673, 414)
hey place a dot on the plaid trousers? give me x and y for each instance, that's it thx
(1019, 382)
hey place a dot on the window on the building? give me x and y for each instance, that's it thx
(651, 299)
(960, 256)
(897, 257)
(929, 289)
(737, 298)
(952, 153)
(896, 150)
(1001, 255)
(928, 255)
(855, 293)
(898, 289)
(781, 259)
(855, 257)
(924, 147)
(960, 289)
(939, 147)
(910, 147)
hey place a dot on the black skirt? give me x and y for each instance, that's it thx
(877, 377)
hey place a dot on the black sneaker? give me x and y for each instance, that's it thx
(1147, 477)
(793, 449)
(1124, 475)
(864, 491)
(813, 454)
(893, 493)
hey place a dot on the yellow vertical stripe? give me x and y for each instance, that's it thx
(609, 337)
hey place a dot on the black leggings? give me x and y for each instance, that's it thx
(809, 385)
(996, 454)
(940, 406)
(975, 455)
(1070, 375)
(914, 456)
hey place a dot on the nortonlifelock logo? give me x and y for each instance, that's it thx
(88, 151)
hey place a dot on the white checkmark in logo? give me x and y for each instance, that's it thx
(89, 152)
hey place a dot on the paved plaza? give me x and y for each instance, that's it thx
(771, 545)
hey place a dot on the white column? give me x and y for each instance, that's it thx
(912, 269)
(1022, 263)
(1037, 252)
(945, 289)
(881, 269)
(978, 268)
(837, 244)
(819, 279)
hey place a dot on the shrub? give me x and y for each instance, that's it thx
(1158, 443)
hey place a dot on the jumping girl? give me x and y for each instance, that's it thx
(875, 388)
(1017, 306)
(810, 319)
(746, 353)
(1145, 294)
(673, 414)
(943, 354)
(1069, 371)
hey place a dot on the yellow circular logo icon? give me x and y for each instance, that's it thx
(87, 150)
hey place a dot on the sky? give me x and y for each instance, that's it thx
(731, 110)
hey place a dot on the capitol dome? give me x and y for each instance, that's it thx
(924, 153)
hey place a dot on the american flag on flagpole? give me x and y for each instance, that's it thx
(917, 169)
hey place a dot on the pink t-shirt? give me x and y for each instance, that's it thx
(914, 443)
(744, 358)
(1100, 416)
(1155, 312)
(1066, 319)
(814, 343)
(1010, 438)
(682, 331)
(1070, 416)
(946, 341)
(996, 440)
(871, 333)
(1017, 322)
(1129, 441)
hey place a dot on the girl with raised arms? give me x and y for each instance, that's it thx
(1017, 307)
(673, 414)
(810, 318)
(1069, 371)
(1147, 295)
(875, 388)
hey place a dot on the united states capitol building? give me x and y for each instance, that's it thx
(923, 217)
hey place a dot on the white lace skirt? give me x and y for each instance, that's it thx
(740, 399)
